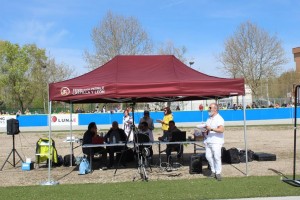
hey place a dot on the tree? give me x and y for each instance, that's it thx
(168, 48)
(117, 35)
(281, 86)
(19, 68)
(24, 75)
(53, 72)
(253, 54)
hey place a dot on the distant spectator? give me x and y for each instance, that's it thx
(228, 106)
(254, 105)
(234, 107)
(177, 108)
(27, 112)
(97, 110)
(19, 113)
(78, 110)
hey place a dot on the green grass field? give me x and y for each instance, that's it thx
(265, 186)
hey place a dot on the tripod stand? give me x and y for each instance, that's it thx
(141, 160)
(13, 152)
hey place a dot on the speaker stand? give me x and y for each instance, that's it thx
(13, 152)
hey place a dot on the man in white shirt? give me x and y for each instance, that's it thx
(214, 139)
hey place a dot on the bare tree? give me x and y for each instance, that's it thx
(168, 48)
(253, 54)
(117, 35)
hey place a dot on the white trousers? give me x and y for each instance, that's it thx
(213, 156)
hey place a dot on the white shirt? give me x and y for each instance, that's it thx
(127, 121)
(213, 137)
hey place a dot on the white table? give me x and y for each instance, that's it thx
(131, 144)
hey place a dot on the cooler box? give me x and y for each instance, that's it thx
(27, 166)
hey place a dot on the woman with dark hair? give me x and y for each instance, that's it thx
(167, 118)
(91, 137)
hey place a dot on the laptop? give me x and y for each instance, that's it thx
(178, 136)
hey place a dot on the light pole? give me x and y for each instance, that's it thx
(191, 63)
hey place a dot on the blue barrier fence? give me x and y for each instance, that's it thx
(179, 116)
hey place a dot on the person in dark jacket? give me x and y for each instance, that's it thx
(115, 135)
(88, 137)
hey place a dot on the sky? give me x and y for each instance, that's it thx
(63, 27)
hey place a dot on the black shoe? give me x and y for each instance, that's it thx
(218, 177)
(212, 175)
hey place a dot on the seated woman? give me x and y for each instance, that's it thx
(115, 134)
(91, 137)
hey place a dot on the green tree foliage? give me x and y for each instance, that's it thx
(20, 73)
(25, 72)
(283, 85)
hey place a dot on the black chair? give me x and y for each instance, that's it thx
(178, 136)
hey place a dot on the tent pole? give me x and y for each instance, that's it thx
(49, 181)
(294, 181)
(245, 134)
(71, 133)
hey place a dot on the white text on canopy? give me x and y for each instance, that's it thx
(93, 90)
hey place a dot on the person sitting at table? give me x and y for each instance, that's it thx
(147, 119)
(115, 134)
(168, 137)
(91, 137)
(144, 129)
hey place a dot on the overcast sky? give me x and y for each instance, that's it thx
(63, 27)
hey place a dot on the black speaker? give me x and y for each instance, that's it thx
(12, 126)
(196, 164)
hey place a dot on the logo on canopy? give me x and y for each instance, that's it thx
(64, 91)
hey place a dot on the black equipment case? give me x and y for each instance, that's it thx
(259, 156)
(196, 164)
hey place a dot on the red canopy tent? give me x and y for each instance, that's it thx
(144, 78)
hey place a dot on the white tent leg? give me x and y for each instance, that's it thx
(49, 181)
(71, 135)
(245, 134)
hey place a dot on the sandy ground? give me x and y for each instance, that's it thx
(269, 139)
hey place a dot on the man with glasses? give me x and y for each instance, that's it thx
(214, 139)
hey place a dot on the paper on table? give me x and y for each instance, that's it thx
(201, 127)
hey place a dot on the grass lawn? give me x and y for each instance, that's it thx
(264, 186)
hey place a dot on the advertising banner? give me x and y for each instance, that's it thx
(63, 119)
(4, 118)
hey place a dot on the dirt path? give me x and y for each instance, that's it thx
(270, 139)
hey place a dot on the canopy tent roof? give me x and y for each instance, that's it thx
(144, 78)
